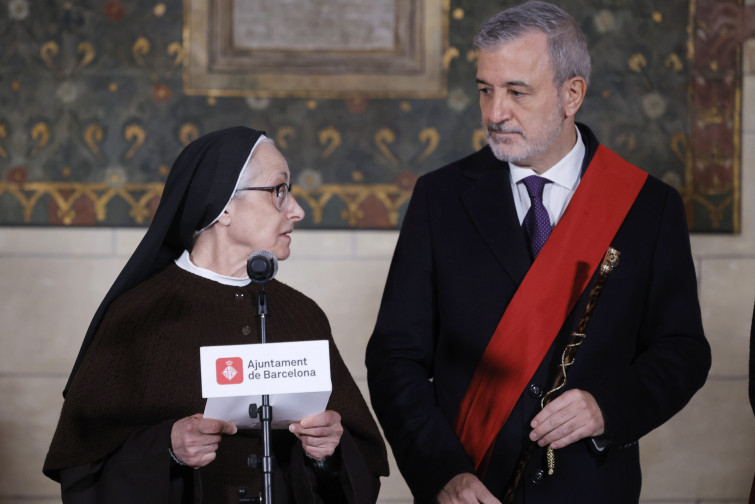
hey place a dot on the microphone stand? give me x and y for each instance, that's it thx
(265, 413)
(262, 267)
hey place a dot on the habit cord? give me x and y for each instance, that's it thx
(610, 261)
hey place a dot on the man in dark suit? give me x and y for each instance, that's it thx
(477, 309)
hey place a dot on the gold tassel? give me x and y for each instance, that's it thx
(550, 455)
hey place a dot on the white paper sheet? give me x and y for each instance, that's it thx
(287, 408)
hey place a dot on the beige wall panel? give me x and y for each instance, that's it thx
(748, 99)
(27, 421)
(56, 241)
(309, 244)
(706, 451)
(393, 490)
(372, 244)
(126, 240)
(48, 303)
(727, 294)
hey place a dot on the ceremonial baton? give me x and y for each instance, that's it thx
(610, 261)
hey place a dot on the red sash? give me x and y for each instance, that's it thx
(552, 286)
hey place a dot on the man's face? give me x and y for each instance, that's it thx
(522, 110)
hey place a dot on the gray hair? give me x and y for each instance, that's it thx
(566, 42)
(251, 168)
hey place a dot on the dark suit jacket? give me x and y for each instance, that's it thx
(751, 386)
(460, 257)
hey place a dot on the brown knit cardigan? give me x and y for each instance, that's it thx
(142, 373)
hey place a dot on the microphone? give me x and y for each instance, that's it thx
(261, 267)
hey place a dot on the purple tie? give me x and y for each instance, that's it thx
(536, 223)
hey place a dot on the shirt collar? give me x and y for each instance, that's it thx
(184, 262)
(565, 173)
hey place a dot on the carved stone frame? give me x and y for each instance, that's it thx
(412, 68)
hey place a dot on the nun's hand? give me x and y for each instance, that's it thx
(319, 434)
(195, 439)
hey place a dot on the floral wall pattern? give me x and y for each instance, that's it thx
(93, 112)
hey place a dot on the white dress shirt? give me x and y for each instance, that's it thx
(564, 176)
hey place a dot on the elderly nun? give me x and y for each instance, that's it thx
(131, 428)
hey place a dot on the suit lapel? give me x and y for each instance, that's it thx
(490, 205)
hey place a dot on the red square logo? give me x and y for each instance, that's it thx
(229, 370)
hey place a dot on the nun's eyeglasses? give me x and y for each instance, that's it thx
(281, 192)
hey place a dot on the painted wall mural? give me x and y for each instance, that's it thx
(97, 98)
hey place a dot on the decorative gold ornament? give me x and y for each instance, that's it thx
(450, 54)
(637, 62)
(41, 133)
(188, 133)
(138, 196)
(47, 52)
(382, 138)
(142, 48)
(135, 134)
(66, 195)
(332, 138)
(283, 135)
(674, 62)
(88, 52)
(430, 137)
(92, 136)
(3, 134)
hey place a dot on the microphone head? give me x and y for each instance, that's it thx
(261, 266)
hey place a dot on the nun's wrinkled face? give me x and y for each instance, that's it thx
(256, 221)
